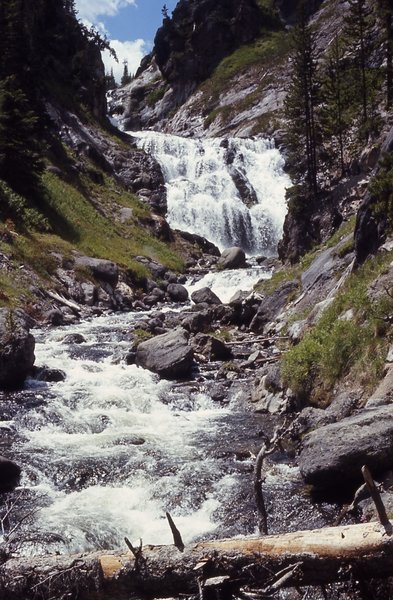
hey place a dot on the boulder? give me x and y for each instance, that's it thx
(16, 349)
(212, 347)
(205, 296)
(272, 305)
(333, 455)
(198, 321)
(49, 375)
(232, 258)
(9, 475)
(74, 338)
(104, 270)
(177, 292)
(169, 355)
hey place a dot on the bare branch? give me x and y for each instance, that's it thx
(177, 539)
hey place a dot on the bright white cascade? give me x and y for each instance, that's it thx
(112, 448)
(208, 182)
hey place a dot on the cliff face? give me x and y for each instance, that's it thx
(201, 33)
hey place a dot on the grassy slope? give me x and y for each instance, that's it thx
(349, 343)
(75, 214)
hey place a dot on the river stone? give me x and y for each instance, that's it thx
(212, 347)
(169, 354)
(232, 258)
(74, 338)
(177, 292)
(9, 475)
(104, 270)
(16, 349)
(205, 296)
(271, 306)
(333, 455)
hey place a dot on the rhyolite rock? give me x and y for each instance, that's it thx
(169, 355)
(9, 474)
(232, 258)
(177, 292)
(16, 349)
(211, 347)
(104, 270)
(205, 296)
(333, 455)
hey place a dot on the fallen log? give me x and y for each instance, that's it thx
(311, 557)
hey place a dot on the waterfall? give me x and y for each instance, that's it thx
(230, 191)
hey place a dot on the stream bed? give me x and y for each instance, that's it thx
(108, 451)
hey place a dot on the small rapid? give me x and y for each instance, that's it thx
(108, 451)
(230, 191)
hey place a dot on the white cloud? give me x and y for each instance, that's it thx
(89, 10)
(133, 52)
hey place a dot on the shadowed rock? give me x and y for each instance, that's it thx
(333, 455)
(16, 349)
(9, 475)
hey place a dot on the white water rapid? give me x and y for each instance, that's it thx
(108, 451)
(230, 191)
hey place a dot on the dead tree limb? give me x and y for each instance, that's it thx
(376, 496)
(268, 447)
(177, 539)
(321, 556)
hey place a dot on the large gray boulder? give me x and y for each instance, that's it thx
(272, 305)
(169, 354)
(205, 296)
(16, 349)
(177, 292)
(333, 455)
(232, 258)
(104, 270)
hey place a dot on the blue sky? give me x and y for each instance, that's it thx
(129, 24)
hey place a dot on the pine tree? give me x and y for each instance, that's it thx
(385, 14)
(110, 82)
(20, 162)
(336, 113)
(300, 109)
(357, 28)
(126, 78)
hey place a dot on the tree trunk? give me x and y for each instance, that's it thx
(306, 557)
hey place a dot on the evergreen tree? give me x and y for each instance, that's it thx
(385, 14)
(20, 162)
(336, 113)
(110, 82)
(126, 77)
(300, 109)
(357, 27)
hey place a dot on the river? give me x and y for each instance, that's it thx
(109, 450)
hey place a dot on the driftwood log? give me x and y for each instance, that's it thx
(312, 557)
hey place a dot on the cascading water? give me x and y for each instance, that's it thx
(230, 191)
(108, 451)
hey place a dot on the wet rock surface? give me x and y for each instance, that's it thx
(169, 355)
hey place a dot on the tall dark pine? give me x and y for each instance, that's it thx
(336, 111)
(385, 13)
(357, 26)
(300, 108)
(20, 162)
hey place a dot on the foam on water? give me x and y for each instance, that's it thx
(113, 448)
(204, 195)
(226, 283)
